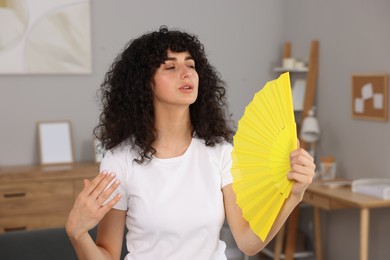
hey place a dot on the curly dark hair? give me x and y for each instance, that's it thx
(127, 97)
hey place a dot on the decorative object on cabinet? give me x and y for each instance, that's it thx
(369, 96)
(310, 131)
(292, 65)
(289, 63)
(98, 150)
(55, 142)
(265, 138)
(25, 47)
(40, 196)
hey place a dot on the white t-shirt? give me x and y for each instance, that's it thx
(174, 206)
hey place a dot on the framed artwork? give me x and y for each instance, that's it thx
(369, 96)
(45, 37)
(98, 150)
(55, 142)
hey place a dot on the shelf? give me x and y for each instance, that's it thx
(281, 69)
(311, 71)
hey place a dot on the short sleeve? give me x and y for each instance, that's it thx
(115, 162)
(226, 175)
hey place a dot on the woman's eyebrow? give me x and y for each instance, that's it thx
(175, 59)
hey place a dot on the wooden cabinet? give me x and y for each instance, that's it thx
(40, 196)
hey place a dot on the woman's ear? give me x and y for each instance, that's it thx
(152, 85)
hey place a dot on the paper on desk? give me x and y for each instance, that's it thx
(374, 187)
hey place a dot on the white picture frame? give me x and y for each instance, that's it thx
(55, 142)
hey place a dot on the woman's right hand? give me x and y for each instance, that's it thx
(88, 208)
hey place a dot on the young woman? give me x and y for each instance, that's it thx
(166, 175)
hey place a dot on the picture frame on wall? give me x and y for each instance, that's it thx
(370, 96)
(55, 142)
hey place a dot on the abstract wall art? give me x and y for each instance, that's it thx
(45, 37)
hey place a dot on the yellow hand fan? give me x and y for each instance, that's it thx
(265, 137)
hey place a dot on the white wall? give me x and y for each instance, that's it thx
(242, 39)
(354, 38)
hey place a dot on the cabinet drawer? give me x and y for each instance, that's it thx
(78, 187)
(35, 198)
(8, 224)
(317, 200)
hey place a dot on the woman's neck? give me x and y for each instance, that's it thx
(174, 133)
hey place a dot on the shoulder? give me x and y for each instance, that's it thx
(218, 158)
(122, 150)
(220, 150)
(119, 158)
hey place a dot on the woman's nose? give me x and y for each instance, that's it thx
(186, 72)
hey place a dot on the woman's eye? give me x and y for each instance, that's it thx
(170, 67)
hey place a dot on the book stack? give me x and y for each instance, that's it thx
(379, 188)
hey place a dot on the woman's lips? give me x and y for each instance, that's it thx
(186, 88)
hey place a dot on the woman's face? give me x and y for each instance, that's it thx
(175, 82)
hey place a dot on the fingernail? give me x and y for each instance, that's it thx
(112, 174)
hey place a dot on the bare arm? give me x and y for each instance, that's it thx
(302, 172)
(110, 232)
(88, 210)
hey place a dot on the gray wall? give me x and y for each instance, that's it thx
(354, 38)
(242, 39)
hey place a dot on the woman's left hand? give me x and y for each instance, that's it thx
(302, 171)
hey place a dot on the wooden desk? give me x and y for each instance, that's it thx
(321, 197)
(40, 196)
